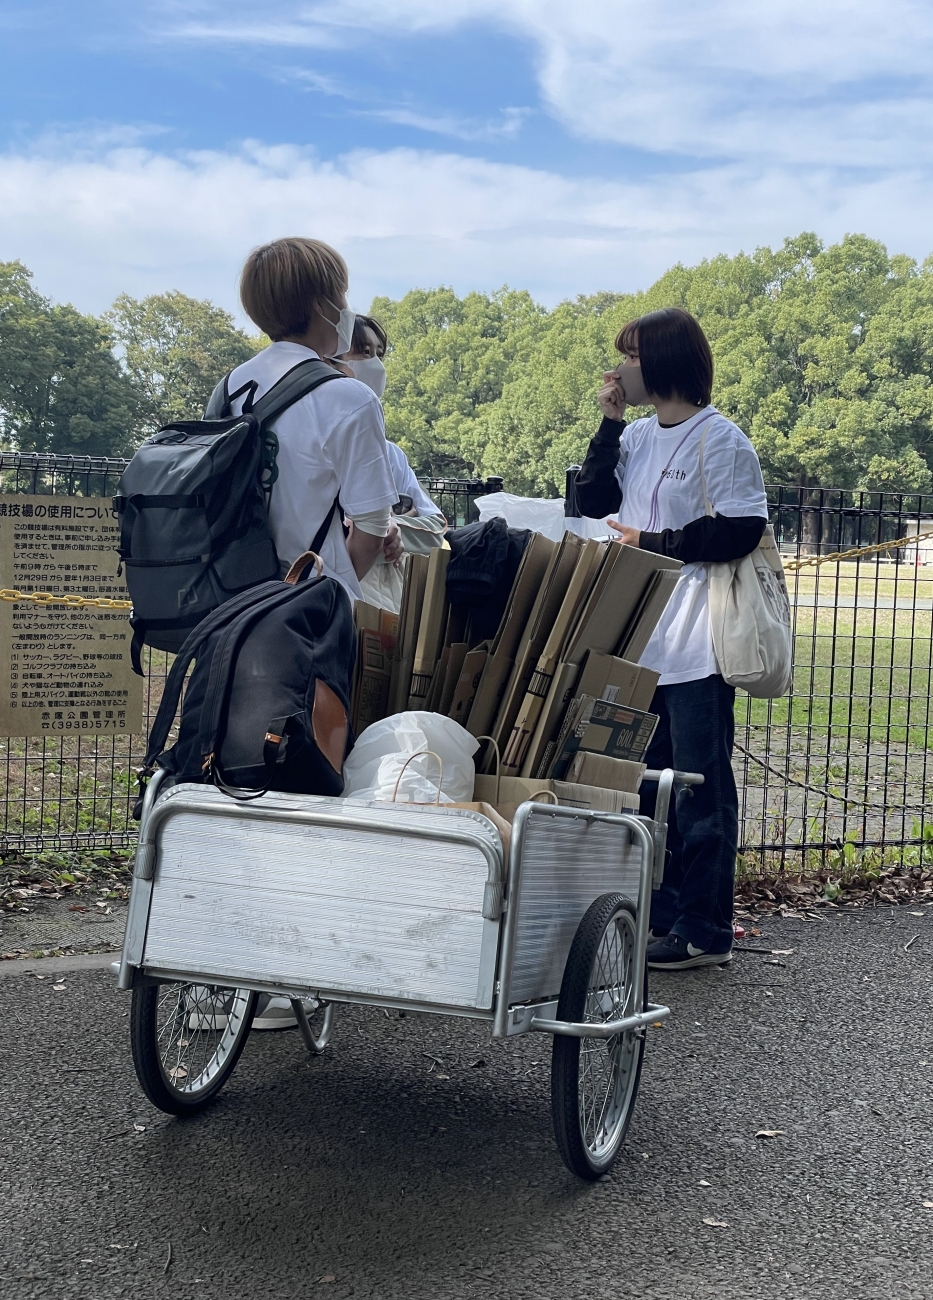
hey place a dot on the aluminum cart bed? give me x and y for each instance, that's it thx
(332, 900)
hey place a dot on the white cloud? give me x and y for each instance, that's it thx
(825, 82)
(140, 221)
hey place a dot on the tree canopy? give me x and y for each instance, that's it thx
(824, 356)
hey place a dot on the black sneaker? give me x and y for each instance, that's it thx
(674, 953)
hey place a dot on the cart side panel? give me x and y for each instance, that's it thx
(566, 864)
(351, 909)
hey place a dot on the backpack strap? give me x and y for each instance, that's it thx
(296, 383)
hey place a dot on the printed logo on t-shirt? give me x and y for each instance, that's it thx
(679, 474)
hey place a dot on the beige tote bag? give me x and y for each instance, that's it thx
(749, 614)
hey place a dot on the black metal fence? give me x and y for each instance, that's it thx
(840, 770)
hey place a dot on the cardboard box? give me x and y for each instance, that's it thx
(619, 606)
(416, 572)
(615, 730)
(467, 684)
(540, 555)
(591, 556)
(456, 658)
(602, 676)
(376, 642)
(644, 620)
(607, 773)
(544, 611)
(508, 792)
(431, 628)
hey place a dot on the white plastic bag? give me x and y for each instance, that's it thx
(373, 767)
(540, 515)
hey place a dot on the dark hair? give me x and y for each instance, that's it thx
(360, 325)
(674, 353)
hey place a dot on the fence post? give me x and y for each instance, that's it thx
(571, 508)
(494, 484)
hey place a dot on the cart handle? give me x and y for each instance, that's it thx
(605, 1029)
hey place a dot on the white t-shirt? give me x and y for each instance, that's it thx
(330, 441)
(407, 484)
(659, 475)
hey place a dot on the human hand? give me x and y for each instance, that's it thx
(628, 536)
(611, 396)
(392, 548)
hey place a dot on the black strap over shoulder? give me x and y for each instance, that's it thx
(296, 383)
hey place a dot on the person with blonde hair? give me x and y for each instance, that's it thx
(332, 457)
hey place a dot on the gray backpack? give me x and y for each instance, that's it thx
(193, 509)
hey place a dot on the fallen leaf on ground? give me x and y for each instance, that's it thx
(704, 1183)
(715, 1223)
(657, 1024)
(328, 1277)
(441, 1076)
(916, 913)
(769, 1133)
(59, 988)
(928, 1205)
(179, 1072)
(75, 908)
(140, 1128)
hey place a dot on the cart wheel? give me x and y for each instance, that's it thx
(594, 1081)
(316, 1028)
(186, 1039)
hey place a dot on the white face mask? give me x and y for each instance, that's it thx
(371, 372)
(344, 327)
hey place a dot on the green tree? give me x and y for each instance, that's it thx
(448, 361)
(175, 349)
(61, 387)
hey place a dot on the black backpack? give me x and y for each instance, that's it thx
(267, 703)
(193, 509)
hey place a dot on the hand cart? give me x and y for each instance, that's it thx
(331, 900)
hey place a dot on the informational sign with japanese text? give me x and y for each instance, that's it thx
(64, 669)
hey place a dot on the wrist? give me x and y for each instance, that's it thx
(610, 430)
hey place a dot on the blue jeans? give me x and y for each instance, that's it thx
(695, 732)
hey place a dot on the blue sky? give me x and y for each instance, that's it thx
(559, 147)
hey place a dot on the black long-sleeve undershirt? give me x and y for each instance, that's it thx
(715, 538)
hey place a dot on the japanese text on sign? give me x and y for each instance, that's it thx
(63, 668)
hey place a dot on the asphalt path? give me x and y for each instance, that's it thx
(415, 1159)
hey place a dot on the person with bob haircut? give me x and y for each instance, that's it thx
(332, 442)
(649, 474)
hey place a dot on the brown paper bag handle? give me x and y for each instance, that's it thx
(420, 754)
(548, 794)
(301, 564)
(498, 764)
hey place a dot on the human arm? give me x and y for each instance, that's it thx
(597, 487)
(714, 538)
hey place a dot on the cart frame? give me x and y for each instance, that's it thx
(506, 1014)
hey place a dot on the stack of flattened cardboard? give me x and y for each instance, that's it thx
(377, 637)
(558, 688)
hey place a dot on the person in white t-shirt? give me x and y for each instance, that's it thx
(332, 442)
(649, 472)
(422, 524)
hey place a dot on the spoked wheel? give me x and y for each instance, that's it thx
(316, 1026)
(186, 1039)
(594, 1081)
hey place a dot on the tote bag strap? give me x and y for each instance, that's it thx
(706, 501)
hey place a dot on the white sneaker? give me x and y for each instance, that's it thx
(209, 1012)
(274, 1013)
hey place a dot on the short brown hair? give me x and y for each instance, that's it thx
(281, 281)
(674, 354)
